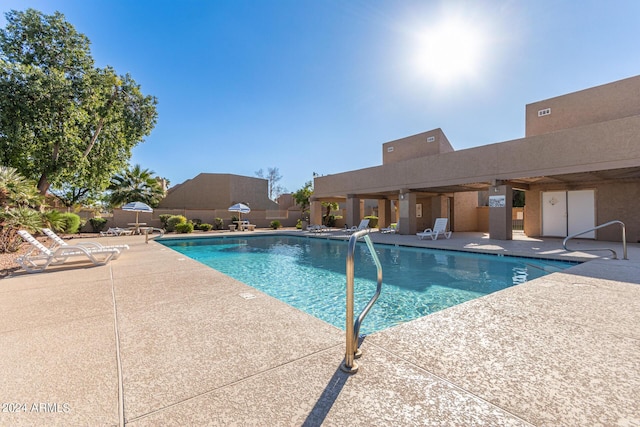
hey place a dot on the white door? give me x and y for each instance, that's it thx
(568, 212)
(554, 213)
(582, 216)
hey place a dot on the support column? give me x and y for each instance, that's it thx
(315, 217)
(407, 207)
(384, 213)
(500, 201)
(353, 210)
(439, 206)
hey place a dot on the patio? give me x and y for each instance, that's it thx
(155, 338)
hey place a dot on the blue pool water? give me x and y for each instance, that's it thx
(309, 274)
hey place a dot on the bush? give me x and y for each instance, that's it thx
(70, 223)
(97, 223)
(218, 223)
(164, 218)
(299, 224)
(275, 224)
(330, 221)
(184, 227)
(373, 221)
(53, 220)
(205, 227)
(174, 220)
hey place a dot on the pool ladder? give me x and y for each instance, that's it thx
(352, 329)
(606, 224)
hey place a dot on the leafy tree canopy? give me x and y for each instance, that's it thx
(63, 122)
(303, 196)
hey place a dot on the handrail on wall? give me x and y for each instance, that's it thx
(615, 255)
(352, 329)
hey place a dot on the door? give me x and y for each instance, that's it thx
(568, 212)
(581, 210)
(554, 213)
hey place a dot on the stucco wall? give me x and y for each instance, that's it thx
(416, 146)
(465, 215)
(608, 145)
(597, 104)
(219, 191)
(614, 201)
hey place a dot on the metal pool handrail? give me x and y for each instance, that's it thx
(606, 224)
(352, 329)
(151, 230)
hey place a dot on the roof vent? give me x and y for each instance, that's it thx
(389, 149)
(431, 138)
(544, 112)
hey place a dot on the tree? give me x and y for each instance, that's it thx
(16, 191)
(63, 122)
(302, 197)
(17, 197)
(273, 176)
(329, 206)
(136, 185)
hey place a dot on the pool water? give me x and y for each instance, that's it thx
(309, 274)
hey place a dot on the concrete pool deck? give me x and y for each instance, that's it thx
(155, 338)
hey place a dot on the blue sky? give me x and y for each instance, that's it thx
(319, 85)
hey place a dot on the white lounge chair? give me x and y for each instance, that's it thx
(116, 231)
(439, 228)
(317, 228)
(364, 224)
(40, 257)
(57, 241)
(393, 228)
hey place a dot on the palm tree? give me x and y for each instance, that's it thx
(17, 195)
(135, 185)
(16, 190)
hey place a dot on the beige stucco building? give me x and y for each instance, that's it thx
(209, 195)
(578, 164)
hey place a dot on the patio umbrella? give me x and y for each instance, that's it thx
(137, 207)
(240, 208)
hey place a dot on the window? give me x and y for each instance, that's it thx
(544, 112)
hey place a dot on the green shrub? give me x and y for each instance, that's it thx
(97, 223)
(71, 223)
(205, 227)
(373, 221)
(299, 224)
(53, 220)
(184, 227)
(275, 224)
(218, 223)
(164, 218)
(174, 220)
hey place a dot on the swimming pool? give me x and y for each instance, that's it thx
(309, 274)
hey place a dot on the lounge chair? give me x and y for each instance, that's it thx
(393, 228)
(40, 257)
(364, 224)
(116, 231)
(439, 228)
(57, 241)
(317, 228)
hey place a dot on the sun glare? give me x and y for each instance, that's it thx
(451, 51)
